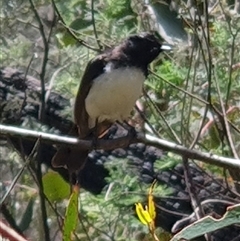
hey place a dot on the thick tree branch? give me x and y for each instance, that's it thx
(120, 143)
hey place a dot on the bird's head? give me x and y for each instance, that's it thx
(142, 48)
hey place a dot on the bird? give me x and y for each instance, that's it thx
(110, 86)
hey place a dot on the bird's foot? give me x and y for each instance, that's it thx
(131, 129)
(132, 132)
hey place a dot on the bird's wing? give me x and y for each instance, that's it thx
(74, 159)
(94, 68)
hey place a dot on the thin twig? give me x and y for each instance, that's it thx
(70, 31)
(83, 227)
(225, 122)
(208, 66)
(94, 26)
(231, 57)
(184, 99)
(9, 233)
(42, 73)
(173, 134)
(180, 89)
(42, 197)
(44, 60)
(195, 202)
(25, 95)
(16, 178)
(7, 214)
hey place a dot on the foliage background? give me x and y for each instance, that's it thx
(194, 93)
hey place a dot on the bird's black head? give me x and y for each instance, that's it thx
(142, 48)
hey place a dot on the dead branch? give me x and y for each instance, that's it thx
(121, 142)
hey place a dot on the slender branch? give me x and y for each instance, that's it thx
(185, 107)
(42, 73)
(16, 178)
(225, 121)
(70, 31)
(9, 233)
(44, 215)
(10, 219)
(94, 25)
(172, 132)
(195, 202)
(120, 143)
(180, 89)
(44, 60)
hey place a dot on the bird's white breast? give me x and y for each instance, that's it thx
(113, 95)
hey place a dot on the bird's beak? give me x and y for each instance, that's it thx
(166, 47)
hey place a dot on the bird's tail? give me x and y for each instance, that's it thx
(70, 157)
(73, 158)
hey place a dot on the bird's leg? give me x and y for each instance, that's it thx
(95, 135)
(131, 129)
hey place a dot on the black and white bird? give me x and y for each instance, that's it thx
(112, 83)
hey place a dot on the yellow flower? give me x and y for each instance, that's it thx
(143, 214)
(147, 215)
(151, 205)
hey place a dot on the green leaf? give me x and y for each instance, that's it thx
(80, 23)
(71, 216)
(65, 39)
(118, 9)
(27, 216)
(55, 188)
(209, 224)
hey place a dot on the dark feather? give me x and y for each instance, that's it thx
(94, 68)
